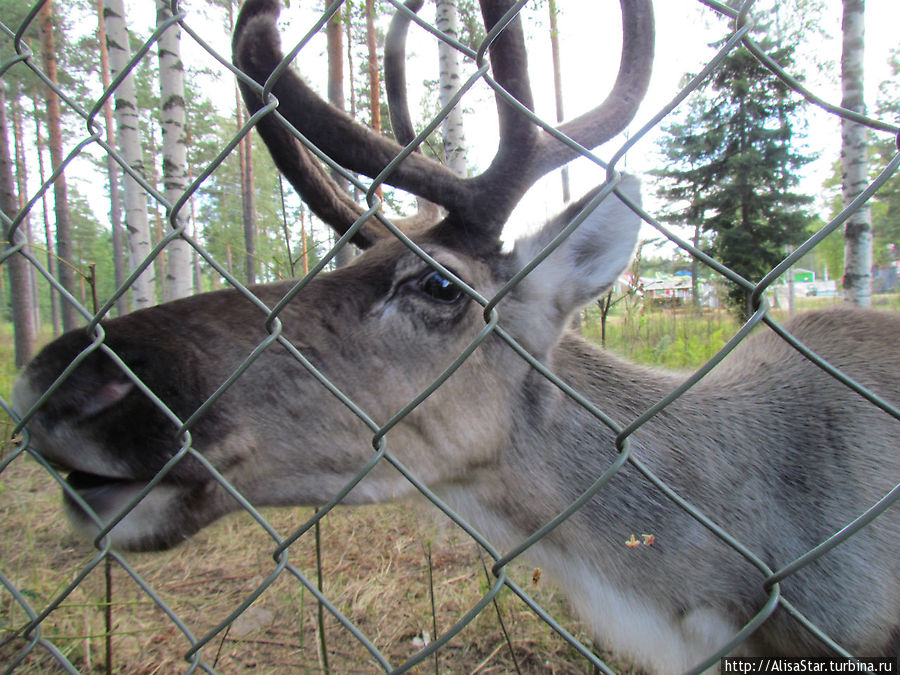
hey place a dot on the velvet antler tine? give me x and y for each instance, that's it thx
(527, 153)
(395, 74)
(502, 184)
(509, 65)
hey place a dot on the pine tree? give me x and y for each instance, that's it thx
(557, 87)
(16, 265)
(334, 35)
(731, 167)
(66, 274)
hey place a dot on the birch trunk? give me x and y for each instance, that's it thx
(137, 225)
(454, 138)
(112, 169)
(854, 167)
(178, 277)
(66, 272)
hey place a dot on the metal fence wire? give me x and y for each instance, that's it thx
(28, 641)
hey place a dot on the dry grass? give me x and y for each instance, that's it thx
(376, 571)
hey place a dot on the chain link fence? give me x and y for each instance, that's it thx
(32, 642)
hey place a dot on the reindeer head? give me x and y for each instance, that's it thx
(286, 394)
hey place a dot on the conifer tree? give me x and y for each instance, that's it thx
(731, 167)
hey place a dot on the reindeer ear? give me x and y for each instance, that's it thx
(590, 260)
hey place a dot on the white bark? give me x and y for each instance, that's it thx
(854, 167)
(447, 21)
(179, 279)
(112, 169)
(137, 225)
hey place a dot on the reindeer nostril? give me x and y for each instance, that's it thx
(105, 397)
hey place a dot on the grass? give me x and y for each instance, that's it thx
(682, 338)
(8, 369)
(671, 338)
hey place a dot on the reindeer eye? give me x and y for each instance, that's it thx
(439, 288)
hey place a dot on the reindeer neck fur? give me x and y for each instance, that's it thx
(557, 449)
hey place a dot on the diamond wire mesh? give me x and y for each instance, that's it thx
(29, 630)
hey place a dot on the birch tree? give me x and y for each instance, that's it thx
(854, 168)
(112, 169)
(454, 138)
(143, 291)
(178, 277)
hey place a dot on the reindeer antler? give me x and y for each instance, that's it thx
(395, 74)
(525, 152)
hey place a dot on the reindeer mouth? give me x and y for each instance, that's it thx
(104, 494)
(154, 523)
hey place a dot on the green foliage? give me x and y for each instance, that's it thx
(8, 369)
(827, 258)
(730, 166)
(676, 339)
(471, 28)
(91, 246)
(217, 204)
(886, 203)
(68, 55)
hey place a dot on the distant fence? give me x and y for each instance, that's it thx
(24, 640)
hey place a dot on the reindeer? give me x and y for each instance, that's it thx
(772, 449)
